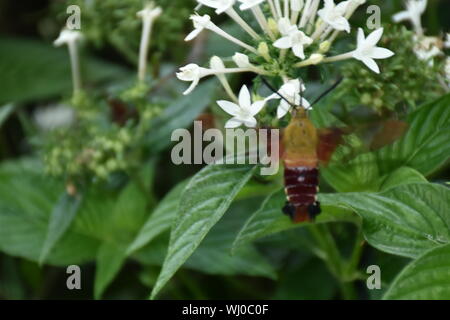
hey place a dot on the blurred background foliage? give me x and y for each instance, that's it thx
(117, 159)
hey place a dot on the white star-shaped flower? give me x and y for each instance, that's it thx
(413, 13)
(290, 91)
(245, 112)
(150, 12)
(193, 73)
(367, 50)
(292, 38)
(248, 4)
(200, 23)
(68, 37)
(220, 5)
(334, 15)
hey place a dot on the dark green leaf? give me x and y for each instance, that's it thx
(427, 278)
(406, 220)
(60, 220)
(205, 199)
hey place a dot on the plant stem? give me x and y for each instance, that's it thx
(344, 271)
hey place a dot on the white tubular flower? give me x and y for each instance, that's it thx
(71, 39)
(200, 23)
(296, 40)
(290, 91)
(297, 5)
(148, 16)
(285, 27)
(242, 60)
(204, 22)
(217, 64)
(367, 50)
(248, 4)
(413, 13)
(220, 5)
(244, 113)
(193, 73)
(334, 15)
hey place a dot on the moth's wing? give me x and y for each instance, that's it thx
(329, 141)
(391, 131)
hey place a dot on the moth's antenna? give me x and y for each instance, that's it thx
(264, 80)
(323, 95)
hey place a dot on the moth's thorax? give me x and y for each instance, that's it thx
(300, 141)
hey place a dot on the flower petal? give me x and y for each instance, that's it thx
(233, 123)
(257, 107)
(245, 100)
(283, 109)
(371, 64)
(298, 51)
(361, 38)
(250, 122)
(401, 16)
(283, 43)
(193, 34)
(374, 37)
(191, 87)
(229, 107)
(381, 53)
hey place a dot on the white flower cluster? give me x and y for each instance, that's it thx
(308, 28)
(427, 48)
(71, 38)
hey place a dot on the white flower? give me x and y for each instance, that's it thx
(334, 15)
(193, 73)
(285, 27)
(200, 23)
(367, 50)
(447, 41)
(220, 5)
(150, 12)
(68, 37)
(290, 91)
(248, 4)
(242, 60)
(297, 5)
(54, 117)
(413, 13)
(296, 40)
(148, 16)
(71, 38)
(245, 112)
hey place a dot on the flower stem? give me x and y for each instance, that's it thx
(340, 57)
(237, 18)
(75, 65)
(229, 37)
(143, 49)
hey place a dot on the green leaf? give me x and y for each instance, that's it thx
(60, 220)
(425, 147)
(269, 219)
(402, 176)
(110, 259)
(36, 70)
(359, 174)
(160, 220)
(5, 112)
(26, 200)
(427, 278)
(215, 248)
(175, 115)
(204, 201)
(406, 220)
